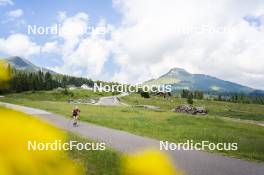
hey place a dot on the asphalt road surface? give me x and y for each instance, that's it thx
(191, 162)
(112, 100)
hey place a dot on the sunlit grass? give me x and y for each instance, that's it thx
(165, 125)
(217, 108)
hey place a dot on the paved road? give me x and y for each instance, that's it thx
(112, 100)
(192, 162)
(109, 101)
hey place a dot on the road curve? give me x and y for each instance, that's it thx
(191, 162)
(112, 100)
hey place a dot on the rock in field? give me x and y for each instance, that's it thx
(190, 109)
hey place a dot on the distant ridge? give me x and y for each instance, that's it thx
(181, 79)
(25, 65)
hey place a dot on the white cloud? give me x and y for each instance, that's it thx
(51, 47)
(83, 54)
(18, 44)
(15, 13)
(6, 2)
(73, 30)
(88, 59)
(156, 36)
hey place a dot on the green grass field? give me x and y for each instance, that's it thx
(217, 108)
(58, 95)
(166, 125)
(105, 162)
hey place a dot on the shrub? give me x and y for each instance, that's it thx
(190, 99)
(145, 94)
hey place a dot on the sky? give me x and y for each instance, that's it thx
(135, 40)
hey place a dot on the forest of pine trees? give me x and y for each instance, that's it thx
(230, 97)
(242, 98)
(34, 81)
(196, 94)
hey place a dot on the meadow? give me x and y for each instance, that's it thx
(216, 108)
(58, 95)
(167, 125)
(95, 162)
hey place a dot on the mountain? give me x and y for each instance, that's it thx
(181, 79)
(25, 65)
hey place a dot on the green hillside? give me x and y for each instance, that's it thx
(181, 79)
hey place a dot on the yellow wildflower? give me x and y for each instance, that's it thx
(150, 162)
(5, 73)
(15, 158)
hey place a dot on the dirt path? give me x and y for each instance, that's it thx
(253, 122)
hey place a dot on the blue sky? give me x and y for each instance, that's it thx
(143, 39)
(46, 14)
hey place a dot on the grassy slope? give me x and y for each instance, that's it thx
(165, 125)
(58, 95)
(95, 162)
(221, 109)
(163, 80)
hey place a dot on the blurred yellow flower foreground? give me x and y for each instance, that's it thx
(150, 162)
(5, 73)
(15, 159)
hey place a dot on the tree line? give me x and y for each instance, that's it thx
(242, 98)
(189, 94)
(253, 98)
(33, 81)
